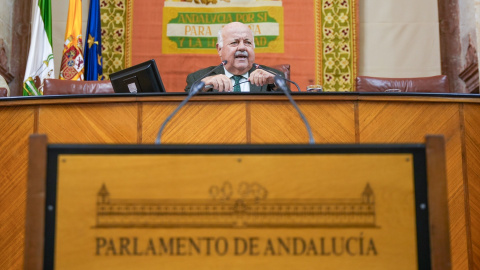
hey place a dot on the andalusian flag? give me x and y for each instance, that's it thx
(72, 59)
(93, 47)
(40, 56)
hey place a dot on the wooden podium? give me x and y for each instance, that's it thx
(348, 206)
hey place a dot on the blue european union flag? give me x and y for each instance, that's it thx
(93, 46)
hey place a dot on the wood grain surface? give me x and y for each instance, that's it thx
(472, 178)
(16, 123)
(89, 123)
(35, 200)
(178, 189)
(279, 122)
(247, 119)
(382, 122)
(437, 197)
(197, 122)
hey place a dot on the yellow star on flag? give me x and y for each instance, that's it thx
(91, 41)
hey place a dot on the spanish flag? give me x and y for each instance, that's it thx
(72, 64)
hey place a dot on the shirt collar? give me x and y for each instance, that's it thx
(230, 75)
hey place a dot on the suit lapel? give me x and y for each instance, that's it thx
(219, 71)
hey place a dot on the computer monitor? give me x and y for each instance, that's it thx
(143, 77)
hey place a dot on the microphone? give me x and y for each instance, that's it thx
(195, 88)
(280, 83)
(257, 66)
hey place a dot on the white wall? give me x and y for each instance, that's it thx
(399, 38)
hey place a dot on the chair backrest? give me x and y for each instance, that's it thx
(434, 84)
(285, 68)
(3, 92)
(66, 87)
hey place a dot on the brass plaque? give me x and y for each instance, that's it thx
(235, 211)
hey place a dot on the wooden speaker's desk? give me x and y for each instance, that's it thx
(238, 119)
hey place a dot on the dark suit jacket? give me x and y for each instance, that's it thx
(192, 77)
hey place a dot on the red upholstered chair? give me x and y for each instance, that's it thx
(434, 84)
(285, 68)
(65, 87)
(3, 92)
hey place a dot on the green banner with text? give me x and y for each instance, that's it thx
(195, 30)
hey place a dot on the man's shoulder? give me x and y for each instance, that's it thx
(204, 71)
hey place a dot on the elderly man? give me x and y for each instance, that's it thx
(235, 44)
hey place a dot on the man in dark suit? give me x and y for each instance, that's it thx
(236, 45)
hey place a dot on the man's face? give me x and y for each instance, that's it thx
(237, 48)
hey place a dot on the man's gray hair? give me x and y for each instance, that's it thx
(220, 38)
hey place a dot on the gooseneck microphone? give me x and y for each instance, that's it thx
(280, 83)
(195, 88)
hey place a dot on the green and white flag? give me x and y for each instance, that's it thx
(40, 55)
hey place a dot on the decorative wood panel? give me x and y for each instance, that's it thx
(197, 122)
(245, 119)
(279, 122)
(386, 122)
(16, 124)
(472, 153)
(89, 123)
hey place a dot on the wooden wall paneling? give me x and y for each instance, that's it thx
(472, 153)
(89, 123)
(16, 124)
(279, 122)
(231, 121)
(35, 202)
(438, 202)
(404, 122)
(196, 122)
(139, 122)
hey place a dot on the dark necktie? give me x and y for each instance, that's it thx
(236, 86)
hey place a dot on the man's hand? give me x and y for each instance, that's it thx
(261, 77)
(219, 82)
